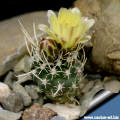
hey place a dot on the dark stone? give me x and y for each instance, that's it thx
(94, 77)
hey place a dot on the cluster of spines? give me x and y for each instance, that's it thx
(60, 78)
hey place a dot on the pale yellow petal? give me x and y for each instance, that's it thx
(76, 10)
(62, 15)
(50, 14)
(88, 22)
(69, 28)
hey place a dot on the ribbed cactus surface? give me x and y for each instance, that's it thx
(58, 78)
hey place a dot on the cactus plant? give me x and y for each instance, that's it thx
(58, 56)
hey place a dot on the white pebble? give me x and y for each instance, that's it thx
(4, 91)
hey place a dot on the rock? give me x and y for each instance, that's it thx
(88, 82)
(20, 89)
(58, 118)
(40, 100)
(86, 98)
(92, 7)
(12, 45)
(112, 84)
(24, 65)
(106, 41)
(10, 79)
(32, 90)
(4, 91)
(13, 102)
(37, 112)
(11, 60)
(87, 87)
(7, 115)
(1, 108)
(68, 111)
(92, 77)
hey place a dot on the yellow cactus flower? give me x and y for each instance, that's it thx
(69, 28)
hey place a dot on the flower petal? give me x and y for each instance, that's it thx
(51, 15)
(89, 22)
(85, 39)
(75, 10)
(62, 11)
(45, 29)
(69, 28)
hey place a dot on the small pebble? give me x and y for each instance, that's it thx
(23, 65)
(32, 91)
(7, 115)
(58, 118)
(37, 112)
(13, 102)
(68, 111)
(9, 79)
(20, 89)
(112, 85)
(88, 86)
(4, 91)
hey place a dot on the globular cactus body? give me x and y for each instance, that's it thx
(59, 80)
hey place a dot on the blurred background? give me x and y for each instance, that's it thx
(10, 8)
